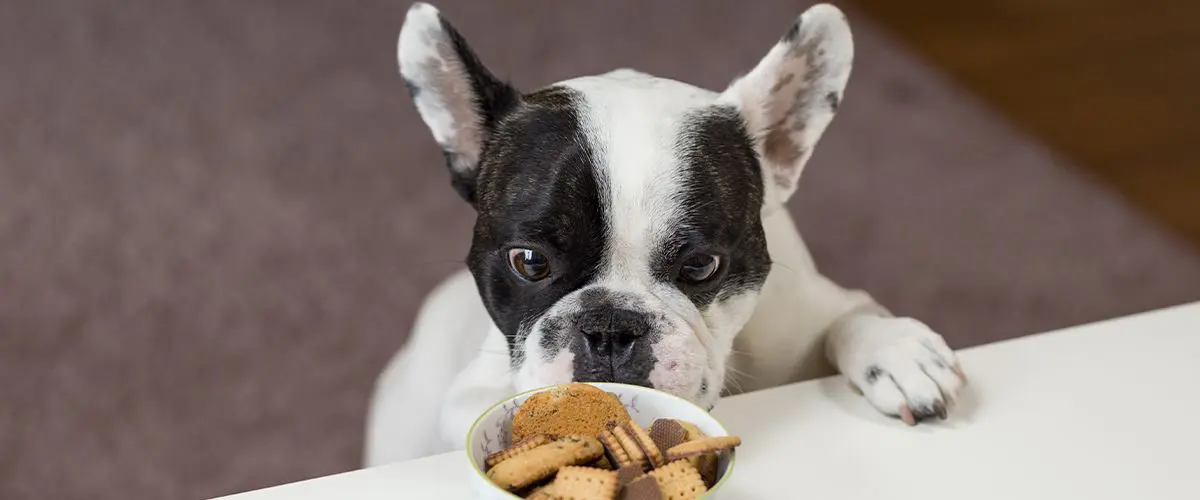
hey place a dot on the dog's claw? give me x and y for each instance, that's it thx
(927, 411)
(959, 371)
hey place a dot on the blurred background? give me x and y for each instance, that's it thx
(217, 218)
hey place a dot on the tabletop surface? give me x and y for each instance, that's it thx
(1101, 411)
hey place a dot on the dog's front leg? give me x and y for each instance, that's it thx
(900, 365)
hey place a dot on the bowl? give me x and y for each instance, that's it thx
(492, 430)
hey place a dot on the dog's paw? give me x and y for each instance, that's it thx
(905, 370)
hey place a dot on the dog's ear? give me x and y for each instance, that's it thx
(457, 97)
(790, 97)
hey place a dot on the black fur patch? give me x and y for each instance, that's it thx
(792, 32)
(722, 199)
(538, 189)
(833, 100)
(412, 88)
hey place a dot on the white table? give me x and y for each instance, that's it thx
(1109, 410)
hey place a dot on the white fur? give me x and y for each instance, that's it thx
(781, 95)
(917, 363)
(683, 362)
(534, 372)
(426, 59)
(800, 325)
(631, 116)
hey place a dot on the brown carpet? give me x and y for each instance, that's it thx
(217, 218)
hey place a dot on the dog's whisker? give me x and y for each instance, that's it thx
(731, 380)
(743, 353)
(739, 373)
(786, 267)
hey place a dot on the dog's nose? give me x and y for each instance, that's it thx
(613, 351)
(612, 325)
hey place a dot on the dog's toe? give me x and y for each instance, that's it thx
(912, 377)
(908, 393)
(882, 391)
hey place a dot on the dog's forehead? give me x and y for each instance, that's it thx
(659, 143)
(642, 144)
(624, 161)
(635, 123)
(627, 131)
(639, 99)
(636, 119)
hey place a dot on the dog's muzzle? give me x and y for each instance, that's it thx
(613, 345)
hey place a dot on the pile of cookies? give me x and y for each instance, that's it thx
(577, 442)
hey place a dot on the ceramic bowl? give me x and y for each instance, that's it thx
(492, 430)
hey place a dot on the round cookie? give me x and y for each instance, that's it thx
(575, 408)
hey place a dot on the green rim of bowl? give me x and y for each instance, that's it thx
(479, 470)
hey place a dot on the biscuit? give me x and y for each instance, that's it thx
(679, 481)
(703, 446)
(628, 473)
(603, 463)
(585, 483)
(636, 455)
(653, 454)
(667, 433)
(575, 409)
(541, 493)
(527, 468)
(705, 463)
(522, 446)
(693, 432)
(615, 452)
(643, 488)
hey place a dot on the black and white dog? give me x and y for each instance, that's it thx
(632, 229)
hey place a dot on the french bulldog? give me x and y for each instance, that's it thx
(632, 229)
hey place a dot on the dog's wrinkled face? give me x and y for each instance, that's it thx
(619, 233)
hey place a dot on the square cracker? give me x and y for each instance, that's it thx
(678, 480)
(585, 483)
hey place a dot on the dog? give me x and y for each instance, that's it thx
(633, 229)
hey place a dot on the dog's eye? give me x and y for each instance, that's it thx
(528, 264)
(699, 267)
